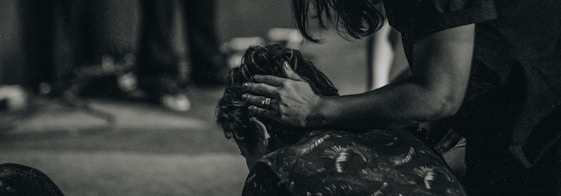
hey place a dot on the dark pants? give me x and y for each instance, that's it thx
(37, 28)
(156, 52)
(62, 35)
(491, 168)
(492, 173)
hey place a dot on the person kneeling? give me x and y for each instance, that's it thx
(294, 161)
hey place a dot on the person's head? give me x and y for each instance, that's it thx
(356, 18)
(16, 179)
(232, 111)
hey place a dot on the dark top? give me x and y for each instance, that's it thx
(377, 162)
(517, 57)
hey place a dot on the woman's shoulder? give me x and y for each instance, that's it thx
(421, 17)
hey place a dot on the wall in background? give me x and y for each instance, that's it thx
(252, 17)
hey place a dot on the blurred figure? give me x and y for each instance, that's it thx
(21, 180)
(158, 63)
(62, 38)
(37, 28)
(95, 40)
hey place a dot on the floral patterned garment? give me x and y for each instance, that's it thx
(375, 163)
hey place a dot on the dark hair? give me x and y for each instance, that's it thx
(356, 18)
(232, 111)
(16, 179)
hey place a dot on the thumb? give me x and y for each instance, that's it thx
(262, 130)
(290, 73)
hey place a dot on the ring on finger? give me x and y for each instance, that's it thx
(266, 102)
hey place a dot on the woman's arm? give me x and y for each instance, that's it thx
(441, 67)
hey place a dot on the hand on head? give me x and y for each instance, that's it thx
(272, 92)
(292, 100)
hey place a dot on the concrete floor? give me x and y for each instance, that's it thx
(148, 150)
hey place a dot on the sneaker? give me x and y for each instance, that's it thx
(165, 91)
(176, 102)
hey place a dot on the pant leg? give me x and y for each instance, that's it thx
(38, 33)
(202, 39)
(114, 25)
(156, 55)
(74, 42)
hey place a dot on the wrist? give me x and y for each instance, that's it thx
(324, 113)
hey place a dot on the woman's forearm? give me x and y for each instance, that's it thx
(399, 104)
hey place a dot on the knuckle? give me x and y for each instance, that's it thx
(259, 88)
(285, 83)
(267, 79)
(255, 99)
(267, 113)
(293, 75)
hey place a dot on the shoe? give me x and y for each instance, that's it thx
(165, 91)
(177, 102)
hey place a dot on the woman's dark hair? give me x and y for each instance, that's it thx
(16, 179)
(232, 111)
(356, 18)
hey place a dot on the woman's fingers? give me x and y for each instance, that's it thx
(290, 73)
(270, 80)
(261, 89)
(262, 112)
(278, 81)
(261, 101)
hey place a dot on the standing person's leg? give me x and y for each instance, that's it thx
(74, 41)
(38, 34)
(207, 62)
(114, 25)
(155, 54)
(157, 60)
(56, 40)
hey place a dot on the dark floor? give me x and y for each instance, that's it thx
(148, 150)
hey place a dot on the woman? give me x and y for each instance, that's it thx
(285, 160)
(490, 69)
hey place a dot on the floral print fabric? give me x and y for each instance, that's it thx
(377, 162)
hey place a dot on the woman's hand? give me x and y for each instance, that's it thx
(290, 101)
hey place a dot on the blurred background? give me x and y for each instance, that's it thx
(72, 110)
